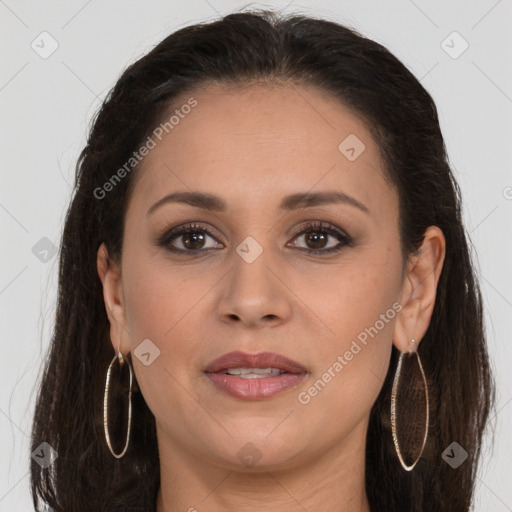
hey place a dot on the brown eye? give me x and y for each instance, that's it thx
(193, 240)
(321, 238)
(316, 240)
(188, 238)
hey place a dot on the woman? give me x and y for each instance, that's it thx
(266, 297)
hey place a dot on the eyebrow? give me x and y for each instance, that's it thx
(292, 202)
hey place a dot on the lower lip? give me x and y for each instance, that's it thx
(255, 389)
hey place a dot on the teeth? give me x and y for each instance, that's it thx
(254, 373)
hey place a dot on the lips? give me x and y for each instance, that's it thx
(262, 360)
(255, 376)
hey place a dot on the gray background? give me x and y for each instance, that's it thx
(46, 106)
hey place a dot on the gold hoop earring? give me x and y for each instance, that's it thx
(411, 396)
(121, 360)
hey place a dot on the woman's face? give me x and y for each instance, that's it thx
(244, 280)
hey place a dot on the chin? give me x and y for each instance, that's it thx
(262, 449)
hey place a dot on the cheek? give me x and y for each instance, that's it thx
(159, 300)
(160, 306)
(359, 306)
(355, 300)
(160, 297)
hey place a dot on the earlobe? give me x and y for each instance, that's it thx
(419, 291)
(110, 276)
(406, 326)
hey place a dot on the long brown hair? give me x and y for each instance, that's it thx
(240, 48)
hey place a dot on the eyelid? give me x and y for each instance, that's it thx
(310, 225)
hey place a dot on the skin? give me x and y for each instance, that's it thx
(252, 146)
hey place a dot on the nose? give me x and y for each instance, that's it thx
(255, 294)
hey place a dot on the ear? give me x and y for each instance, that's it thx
(110, 275)
(419, 290)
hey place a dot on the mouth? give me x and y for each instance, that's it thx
(254, 373)
(254, 376)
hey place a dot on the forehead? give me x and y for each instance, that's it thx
(252, 143)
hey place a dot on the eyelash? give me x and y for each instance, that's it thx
(316, 227)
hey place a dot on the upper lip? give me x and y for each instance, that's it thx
(261, 360)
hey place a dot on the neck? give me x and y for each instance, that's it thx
(332, 481)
